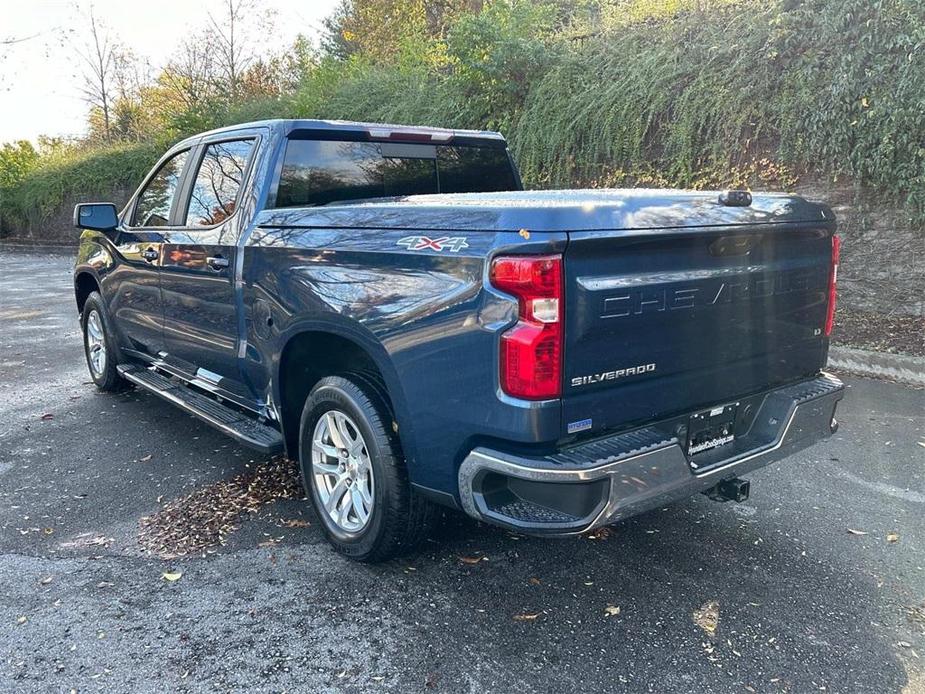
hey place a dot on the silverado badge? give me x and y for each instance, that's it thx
(613, 375)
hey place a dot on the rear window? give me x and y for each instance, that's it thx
(317, 172)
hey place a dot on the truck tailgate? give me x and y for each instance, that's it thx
(665, 321)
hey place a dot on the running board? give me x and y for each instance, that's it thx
(229, 421)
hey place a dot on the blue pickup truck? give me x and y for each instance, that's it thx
(388, 306)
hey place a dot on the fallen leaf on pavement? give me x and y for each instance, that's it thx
(857, 532)
(471, 560)
(296, 523)
(206, 517)
(171, 575)
(612, 610)
(45, 581)
(534, 581)
(146, 458)
(892, 537)
(916, 614)
(46, 416)
(707, 617)
(526, 617)
(87, 540)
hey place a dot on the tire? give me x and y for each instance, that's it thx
(100, 347)
(349, 412)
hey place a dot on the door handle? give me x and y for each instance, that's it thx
(217, 262)
(150, 254)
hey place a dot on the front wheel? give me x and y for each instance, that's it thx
(100, 346)
(355, 474)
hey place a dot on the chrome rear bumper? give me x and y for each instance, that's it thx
(606, 480)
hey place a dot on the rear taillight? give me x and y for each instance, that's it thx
(531, 351)
(833, 280)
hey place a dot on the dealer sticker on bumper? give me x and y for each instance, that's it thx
(580, 425)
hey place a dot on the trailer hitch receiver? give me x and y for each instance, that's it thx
(729, 490)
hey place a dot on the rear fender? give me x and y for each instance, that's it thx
(359, 335)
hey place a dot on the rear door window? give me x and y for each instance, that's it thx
(318, 172)
(215, 191)
(156, 199)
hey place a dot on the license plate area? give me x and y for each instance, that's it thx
(710, 429)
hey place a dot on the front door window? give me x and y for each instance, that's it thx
(156, 200)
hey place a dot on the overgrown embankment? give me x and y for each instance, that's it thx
(39, 206)
(826, 97)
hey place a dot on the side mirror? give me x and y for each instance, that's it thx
(98, 216)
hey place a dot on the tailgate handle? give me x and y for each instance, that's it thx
(735, 245)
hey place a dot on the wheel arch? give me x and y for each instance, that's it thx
(95, 260)
(85, 283)
(312, 350)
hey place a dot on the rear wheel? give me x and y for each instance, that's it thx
(99, 346)
(355, 474)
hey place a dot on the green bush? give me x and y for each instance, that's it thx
(824, 86)
(17, 159)
(477, 78)
(65, 177)
(852, 98)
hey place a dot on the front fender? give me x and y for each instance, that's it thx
(94, 258)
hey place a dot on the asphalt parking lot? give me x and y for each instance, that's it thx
(818, 580)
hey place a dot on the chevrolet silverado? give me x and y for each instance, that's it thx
(388, 306)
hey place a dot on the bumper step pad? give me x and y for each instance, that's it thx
(228, 420)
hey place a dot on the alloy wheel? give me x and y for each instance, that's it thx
(342, 471)
(96, 344)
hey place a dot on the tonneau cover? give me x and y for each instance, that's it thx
(553, 211)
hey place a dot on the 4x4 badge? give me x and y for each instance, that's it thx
(424, 243)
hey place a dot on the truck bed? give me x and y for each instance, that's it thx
(673, 301)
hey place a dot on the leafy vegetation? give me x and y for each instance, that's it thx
(69, 174)
(689, 93)
(17, 160)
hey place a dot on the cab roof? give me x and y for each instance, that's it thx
(373, 131)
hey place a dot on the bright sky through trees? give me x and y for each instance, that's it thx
(40, 71)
